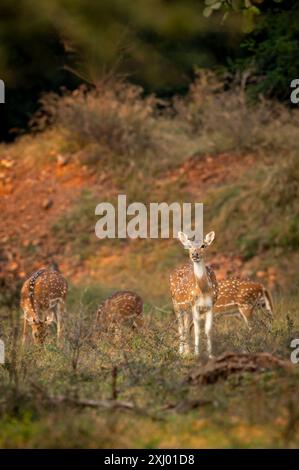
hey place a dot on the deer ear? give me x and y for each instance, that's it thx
(184, 239)
(209, 238)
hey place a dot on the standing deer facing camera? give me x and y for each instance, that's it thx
(194, 287)
(42, 301)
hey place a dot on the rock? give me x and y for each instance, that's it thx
(222, 367)
(7, 163)
(13, 266)
(62, 160)
(47, 204)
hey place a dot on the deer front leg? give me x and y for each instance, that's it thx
(208, 330)
(196, 323)
(184, 345)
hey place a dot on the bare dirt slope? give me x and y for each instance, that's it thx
(34, 197)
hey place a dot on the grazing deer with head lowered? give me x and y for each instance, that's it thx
(242, 297)
(121, 307)
(42, 301)
(194, 286)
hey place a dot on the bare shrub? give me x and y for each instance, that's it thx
(247, 204)
(115, 118)
(114, 114)
(223, 118)
(78, 331)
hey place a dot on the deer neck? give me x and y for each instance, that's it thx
(200, 274)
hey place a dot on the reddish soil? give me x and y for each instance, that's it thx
(34, 198)
(210, 171)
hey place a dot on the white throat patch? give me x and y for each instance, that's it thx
(199, 269)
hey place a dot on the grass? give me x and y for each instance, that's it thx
(151, 375)
(263, 217)
(222, 119)
(77, 226)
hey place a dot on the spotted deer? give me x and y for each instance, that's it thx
(121, 307)
(193, 286)
(42, 301)
(242, 297)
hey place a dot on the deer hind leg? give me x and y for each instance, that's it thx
(266, 306)
(246, 313)
(208, 331)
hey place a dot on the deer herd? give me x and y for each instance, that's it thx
(196, 295)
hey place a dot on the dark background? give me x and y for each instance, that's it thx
(156, 43)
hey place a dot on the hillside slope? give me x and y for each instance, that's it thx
(209, 148)
(240, 161)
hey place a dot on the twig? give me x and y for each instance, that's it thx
(114, 383)
(106, 404)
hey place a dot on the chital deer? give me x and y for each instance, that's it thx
(42, 301)
(194, 287)
(121, 307)
(242, 297)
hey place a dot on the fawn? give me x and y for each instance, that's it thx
(194, 286)
(242, 297)
(122, 306)
(44, 291)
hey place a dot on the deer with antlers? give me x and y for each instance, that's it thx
(193, 286)
(42, 301)
(242, 297)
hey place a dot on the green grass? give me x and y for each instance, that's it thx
(261, 209)
(76, 227)
(256, 410)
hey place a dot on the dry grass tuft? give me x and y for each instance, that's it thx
(87, 372)
(221, 118)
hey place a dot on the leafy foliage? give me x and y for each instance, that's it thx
(270, 53)
(249, 9)
(54, 43)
